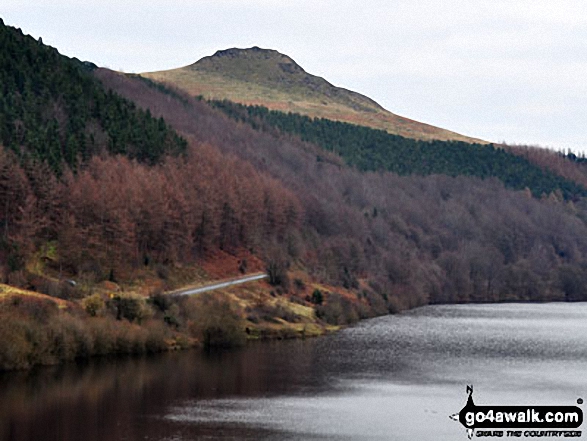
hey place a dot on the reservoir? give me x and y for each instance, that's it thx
(390, 378)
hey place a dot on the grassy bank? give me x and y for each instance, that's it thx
(107, 319)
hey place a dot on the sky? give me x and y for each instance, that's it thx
(500, 70)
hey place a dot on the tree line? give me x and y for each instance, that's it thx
(371, 149)
(52, 109)
(569, 166)
(116, 214)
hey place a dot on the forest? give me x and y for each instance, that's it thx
(155, 181)
(53, 110)
(116, 214)
(371, 149)
(403, 240)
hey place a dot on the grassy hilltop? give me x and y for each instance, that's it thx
(268, 78)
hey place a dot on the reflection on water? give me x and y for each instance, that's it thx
(392, 378)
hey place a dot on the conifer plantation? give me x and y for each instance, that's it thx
(369, 149)
(53, 111)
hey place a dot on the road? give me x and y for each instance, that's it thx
(218, 285)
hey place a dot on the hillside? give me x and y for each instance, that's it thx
(268, 78)
(371, 149)
(104, 206)
(92, 184)
(401, 241)
(52, 109)
(341, 232)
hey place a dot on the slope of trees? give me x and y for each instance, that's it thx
(401, 241)
(370, 149)
(412, 223)
(116, 214)
(53, 110)
(569, 166)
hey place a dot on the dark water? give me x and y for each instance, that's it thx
(392, 378)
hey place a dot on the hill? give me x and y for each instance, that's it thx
(106, 206)
(268, 78)
(52, 109)
(343, 234)
(85, 172)
(399, 241)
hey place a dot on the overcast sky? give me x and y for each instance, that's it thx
(501, 70)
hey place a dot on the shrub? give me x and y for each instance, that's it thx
(130, 339)
(84, 342)
(29, 336)
(172, 316)
(14, 346)
(161, 301)
(103, 335)
(331, 313)
(242, 266)
(277, 271)
(61, 340)
(217, 323)
(72, 338)
(270, 313)
(156, 339)
(376, 302)
(338, 310)
(130, 307)
(317, 297)
(94, 305)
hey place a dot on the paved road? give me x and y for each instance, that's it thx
(218, 285)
